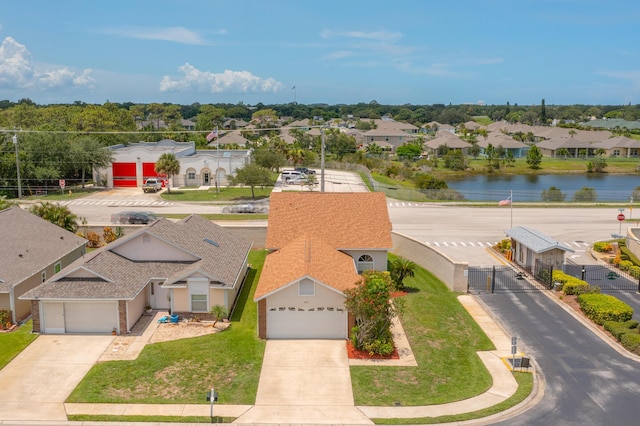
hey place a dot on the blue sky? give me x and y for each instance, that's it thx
(348, 51)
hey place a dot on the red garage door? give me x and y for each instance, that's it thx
(149, 171)
(124, 174)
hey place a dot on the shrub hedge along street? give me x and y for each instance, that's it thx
(604, 307)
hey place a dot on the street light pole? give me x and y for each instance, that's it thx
(15, 143)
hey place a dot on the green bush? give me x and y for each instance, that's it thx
(617, 329)
(634, 271)
(575, 287)
(602, 246)
(631, 342)
(625, 265)
(604, 307)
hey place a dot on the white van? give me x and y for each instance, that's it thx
(291, 174)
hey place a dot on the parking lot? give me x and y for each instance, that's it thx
(334, 181)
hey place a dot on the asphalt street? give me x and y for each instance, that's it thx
(587, 381)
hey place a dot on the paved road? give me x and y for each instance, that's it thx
(587, 382)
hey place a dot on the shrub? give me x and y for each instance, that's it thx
(624, 265)
(94, 239)
(575, 287)
(634, 271)
(602, 246)
(604, 307)
(617, 329)
(631, 342)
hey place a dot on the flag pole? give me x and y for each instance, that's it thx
(511, 206)
(218, 157)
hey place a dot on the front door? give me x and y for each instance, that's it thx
(206, 179)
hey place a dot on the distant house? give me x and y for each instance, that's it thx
(516, 148)
(319, 244)
(533, 250)
(32, 251)
(186, 266)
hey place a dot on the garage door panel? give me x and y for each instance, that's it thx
(124, 174)
(90, 317)
(297, 324)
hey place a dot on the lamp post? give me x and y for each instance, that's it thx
(15, 143)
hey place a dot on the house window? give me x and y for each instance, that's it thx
(198, 303)
(616, 152)
(191, 175)
(57, 267)
(306, 288)
(43, 276)
(365, 263)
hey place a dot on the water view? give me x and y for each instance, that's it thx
(609, 188)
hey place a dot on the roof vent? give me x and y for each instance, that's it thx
(213, 243)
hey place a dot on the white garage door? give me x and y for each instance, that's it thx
(292, 323)
(90, 317)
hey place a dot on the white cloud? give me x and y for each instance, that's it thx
(173, 34)
(382, 36)
(18, 71)
(228, 81)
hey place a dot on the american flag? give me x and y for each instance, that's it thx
(505, 202)
(213, 135)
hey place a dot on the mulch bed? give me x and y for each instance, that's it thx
(356, 354)
(353, 353)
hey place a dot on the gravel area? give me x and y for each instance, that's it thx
(183, 330)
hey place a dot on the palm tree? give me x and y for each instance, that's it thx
(219, 312)
(57, 214)
(402, 268)
(168, 165)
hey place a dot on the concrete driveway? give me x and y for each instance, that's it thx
(37, 382)
(305, 382)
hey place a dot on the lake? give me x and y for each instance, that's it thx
(609, 188)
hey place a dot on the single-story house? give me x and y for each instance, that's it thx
(32, 251)
(134, 163)
(186, 266)
(516, 148)
(319, 244)
(533, 250)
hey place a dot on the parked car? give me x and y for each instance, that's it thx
(305, 171)
(287, 175)
(152, 185)
(246, 208)
(133, 218)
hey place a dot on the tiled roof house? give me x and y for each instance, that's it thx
(320, 242)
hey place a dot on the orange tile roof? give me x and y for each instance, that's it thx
(306, 256)
(343, 220)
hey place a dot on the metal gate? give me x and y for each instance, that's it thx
(492, 279)
(608, 278)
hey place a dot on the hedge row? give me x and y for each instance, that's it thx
(627, 333)
(604, 307)
(572, 285)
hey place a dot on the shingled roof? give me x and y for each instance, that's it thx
(534, 240)
(342, 220)
(207, 249)
(30, 244)
(307, 256)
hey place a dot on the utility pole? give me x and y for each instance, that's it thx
(322, 160)
(15, 143)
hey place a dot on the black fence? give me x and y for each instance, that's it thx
(608, 278)
(492, 279)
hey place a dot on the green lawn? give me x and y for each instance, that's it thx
(226, 194)
(525, 386)
(444, 339)
(182, 371)
(14, 342)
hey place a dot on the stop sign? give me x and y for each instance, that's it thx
(620, 217)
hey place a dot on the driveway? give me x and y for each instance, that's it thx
(305, 382)
(37, 382)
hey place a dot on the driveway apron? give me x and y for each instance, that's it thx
(305, 381)
(37, 382)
